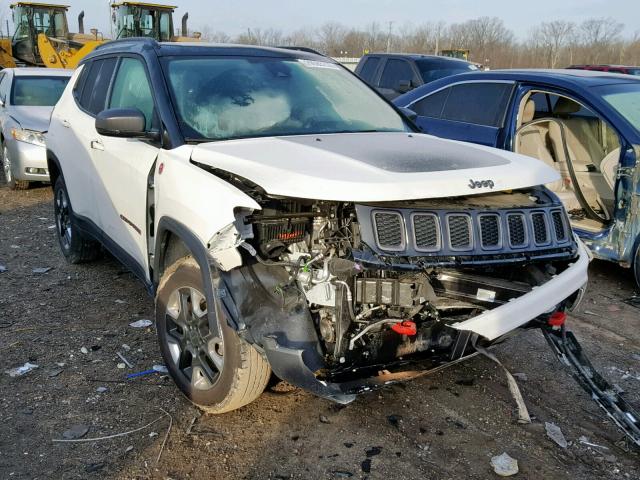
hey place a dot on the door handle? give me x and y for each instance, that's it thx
(97, 145)
(66, 124)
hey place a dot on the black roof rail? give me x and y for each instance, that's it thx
(124, 41)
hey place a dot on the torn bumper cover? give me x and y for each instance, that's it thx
(542, 299)
(298, 364)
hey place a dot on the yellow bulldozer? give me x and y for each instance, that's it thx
(136, 19)
(42, 38)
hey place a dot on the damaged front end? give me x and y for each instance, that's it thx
(343, 297)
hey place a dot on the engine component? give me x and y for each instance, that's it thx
(386, 292)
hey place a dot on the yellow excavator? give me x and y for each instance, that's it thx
(42, 35)
(137, 19)
(42, 38)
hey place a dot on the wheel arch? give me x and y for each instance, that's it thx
(53, 165)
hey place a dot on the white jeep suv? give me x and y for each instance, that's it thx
(287, 219)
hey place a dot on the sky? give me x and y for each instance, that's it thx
(237, 16)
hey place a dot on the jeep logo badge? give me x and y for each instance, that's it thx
(480, 183)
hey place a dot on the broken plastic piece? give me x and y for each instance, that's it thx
(405, 328)
(557, 319)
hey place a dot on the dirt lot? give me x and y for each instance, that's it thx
(447, 425)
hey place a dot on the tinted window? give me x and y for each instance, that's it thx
(478, 103)
(37, 91)
(542, 103)
(432, 105)
(369, 69)
(394, 71)
(94, 92)
(80, 81)
(131, 89)
(433, 70)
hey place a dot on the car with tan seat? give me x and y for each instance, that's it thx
(585, 124)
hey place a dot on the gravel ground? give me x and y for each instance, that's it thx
(72, 321)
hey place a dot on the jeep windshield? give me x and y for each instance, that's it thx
(222, 98)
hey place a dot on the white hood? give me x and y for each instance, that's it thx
(372, 167)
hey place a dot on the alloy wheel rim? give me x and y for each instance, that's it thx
(63, 219)
(196, 352)
(6, 163)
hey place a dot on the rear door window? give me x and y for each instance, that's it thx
(96, 86)
(432, 105)
(369, 69)
(478, 103)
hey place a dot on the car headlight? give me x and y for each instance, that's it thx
(28, 136)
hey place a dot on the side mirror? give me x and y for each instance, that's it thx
(410, 114)
(121, 122)
(404, 86)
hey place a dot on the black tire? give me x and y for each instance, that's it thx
(75, 245)
(216, 374)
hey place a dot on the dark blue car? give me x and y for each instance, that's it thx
(585, 124)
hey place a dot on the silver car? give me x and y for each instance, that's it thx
(27, 97)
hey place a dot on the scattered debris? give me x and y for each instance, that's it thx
(585, 441)
(128, 449)
(153, 434)
(101, 389)
(373, 451)
(342, 474)
(634, 301)
(94, 467)
(55, 372)
(324, 419)
(120, 302)
(3, 269)
(126, 347)
(504, 465)
(166, 436)
(107, 437)
(160, 369)
(84, 350)
(127, 363)
(19, 371)
(142, 323)
(594, 314)
(395, 420)
(41, 270)
(76, 432)
(555, 434)
(521, 376)
(523, 413)
(366, 465)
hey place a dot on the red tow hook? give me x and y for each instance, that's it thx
(405, 328)
(557, 319)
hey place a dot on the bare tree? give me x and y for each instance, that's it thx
(552, 37)
(599, 34)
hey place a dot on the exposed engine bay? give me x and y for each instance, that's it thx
(384, 283)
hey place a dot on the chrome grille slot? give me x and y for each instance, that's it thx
(389, 229)
(460, 235)
(559, 226)
(517, 230)
(426, 229)
(540, 230)
(490, 232)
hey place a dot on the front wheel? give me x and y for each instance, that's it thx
(217, 373)
(8, 172)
